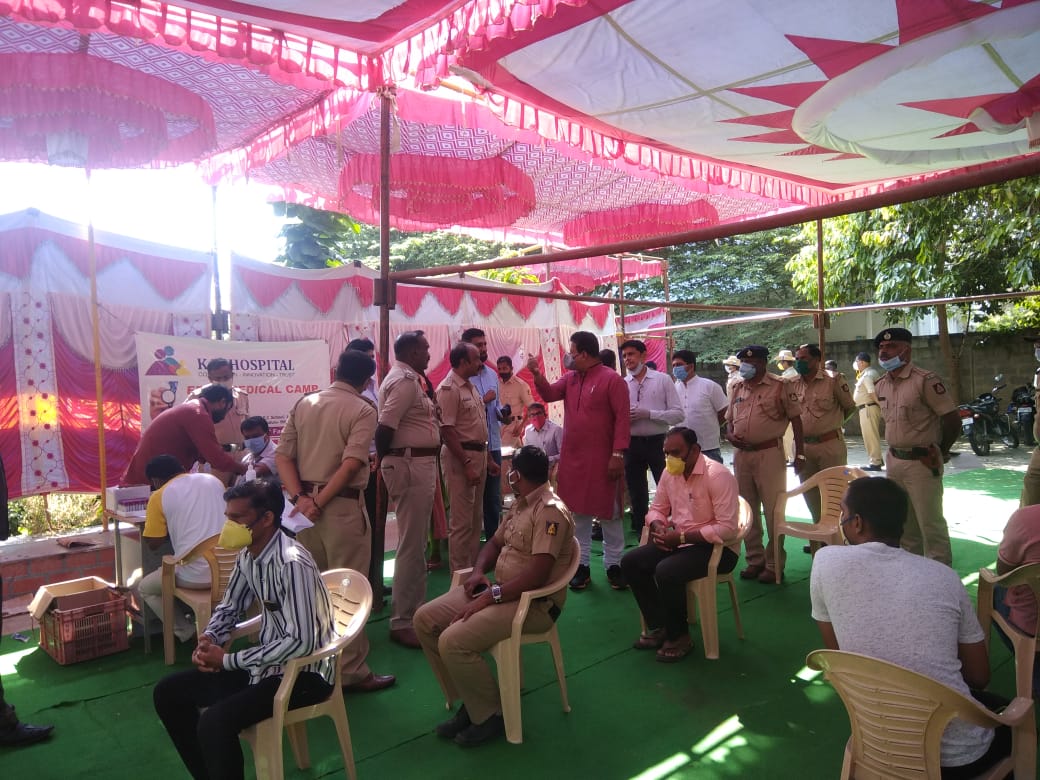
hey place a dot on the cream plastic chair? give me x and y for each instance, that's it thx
(351, 605)
(702, 594)
(507, 652)
(201, 600)
(832, 483)
(1024, 644)
(898, 718)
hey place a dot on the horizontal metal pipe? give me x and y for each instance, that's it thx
(1014, 169)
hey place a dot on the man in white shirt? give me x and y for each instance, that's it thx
(703, 403)
(653, 409)
(545, 434)
(876, 599)
(187, 509)
(256, 437)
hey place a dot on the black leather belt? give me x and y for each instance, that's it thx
(415, 452)
(310, 488)
(821, 438)
(913, 453)
(473, 446)
(763, 445)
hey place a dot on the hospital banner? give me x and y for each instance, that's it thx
(274, 374)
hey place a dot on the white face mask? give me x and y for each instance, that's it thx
(747, 371)
(569, 362)
(892, 363)
(638, 369)
(855, 365)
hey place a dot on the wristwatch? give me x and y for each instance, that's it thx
(617, 455)
(496, 593)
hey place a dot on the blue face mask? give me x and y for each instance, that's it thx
(679, 372)
(747, 371)
(256, 445)
(892, 363)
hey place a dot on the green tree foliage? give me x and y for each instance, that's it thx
(322, 239)
(974, 242)
(746, 270)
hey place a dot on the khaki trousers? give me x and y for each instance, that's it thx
(455, 650)
(761, 478)
(340, 540)
(1031, 483)
(870, 426)
(925, 532)
(410, 485)
(466, 513)
(820, 456)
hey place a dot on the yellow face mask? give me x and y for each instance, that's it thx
(234, 536)
(674, 465)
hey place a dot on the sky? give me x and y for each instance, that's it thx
(170, 206)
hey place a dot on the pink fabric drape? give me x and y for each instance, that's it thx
(10, 443)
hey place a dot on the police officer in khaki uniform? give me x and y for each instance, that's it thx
(408, 440)
(322, 459)
(464, 455)
(532, 547)
(921, 424)
(1031, 481)
(826, 401)
(761, 406)
(229, 430)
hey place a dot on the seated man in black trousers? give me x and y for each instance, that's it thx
(296, 620)
(696, 507)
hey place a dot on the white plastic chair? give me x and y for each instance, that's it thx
(1024, 644)
(351, 605)
(832, 483)
(898, 718)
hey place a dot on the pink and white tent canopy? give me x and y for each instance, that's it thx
(48, 402)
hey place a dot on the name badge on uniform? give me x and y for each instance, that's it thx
(551, 527)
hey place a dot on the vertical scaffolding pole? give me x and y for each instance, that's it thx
(667, 314)
(621, 295)
(99, 393)
(821, 315)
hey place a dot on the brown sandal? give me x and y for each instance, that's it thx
(650, 641)
(669, 655)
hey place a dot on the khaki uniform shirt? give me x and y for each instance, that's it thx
(865, 381)
(405, 407)
(912, 401)
(825, 401)
(537, 524)
(327, 427)
(517, 394)
(462, 408)
(762, 411)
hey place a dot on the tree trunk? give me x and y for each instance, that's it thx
(952, 359)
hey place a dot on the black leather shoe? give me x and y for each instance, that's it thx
(616, 578)
(872, 467)
(455, 725)
(374, 682)
(581, 578)
(24, 734)
(479, 733)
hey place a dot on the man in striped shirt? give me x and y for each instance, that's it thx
(237, 688)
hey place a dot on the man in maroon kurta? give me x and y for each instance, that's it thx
(595, 437)
(188, 433)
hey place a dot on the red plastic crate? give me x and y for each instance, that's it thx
(74, 635)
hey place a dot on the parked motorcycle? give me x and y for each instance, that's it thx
(1022, 411)
(982, 422)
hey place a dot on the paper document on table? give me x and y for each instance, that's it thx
(297, 522)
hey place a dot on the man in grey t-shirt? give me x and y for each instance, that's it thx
(876, 599)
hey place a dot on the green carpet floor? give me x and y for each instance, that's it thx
(755, 712)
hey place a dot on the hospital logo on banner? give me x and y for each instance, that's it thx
(166, 364)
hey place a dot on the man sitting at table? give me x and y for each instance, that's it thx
(205, 708)
(186, 509)
(876, 599)
(695, 508)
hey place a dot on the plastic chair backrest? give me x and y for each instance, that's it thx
(832, 483)
(897, 716)
(351, 598)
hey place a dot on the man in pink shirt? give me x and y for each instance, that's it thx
(695, 507)
(1020, 545)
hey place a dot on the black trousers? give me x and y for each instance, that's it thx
(375, 566)
(658, 581)
(208, 741)
(492, 498)
(643, 452)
